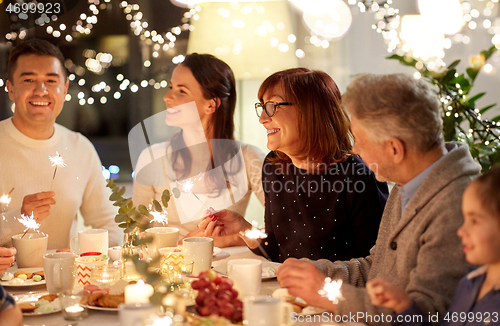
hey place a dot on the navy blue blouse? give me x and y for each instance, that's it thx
(333, 215)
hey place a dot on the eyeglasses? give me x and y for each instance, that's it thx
(269, 106)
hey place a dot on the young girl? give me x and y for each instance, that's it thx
(477, 300)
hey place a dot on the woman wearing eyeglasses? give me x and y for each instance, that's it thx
(202, 158)
(321, 201)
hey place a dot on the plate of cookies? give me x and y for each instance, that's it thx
(22, 277)
(104, 298)
(42, 303)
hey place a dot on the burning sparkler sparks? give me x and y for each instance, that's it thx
(5, 199)
(29, 222)
(56, 161)
(160, 217)
(187, 187)
(255, 233)
(331, 290)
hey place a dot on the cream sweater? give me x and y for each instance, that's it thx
(25, 165)
(186, 211)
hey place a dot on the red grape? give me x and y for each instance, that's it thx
(238, 303)
(227, 310)
(205, 311)
(237, 315)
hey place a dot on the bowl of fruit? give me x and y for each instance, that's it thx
(217, 297)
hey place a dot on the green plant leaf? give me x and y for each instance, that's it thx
(157, 206)
(143, 210)
(472, 73)
(165, 198)
(123, 225)
(114, 196)
(453, 64)
(176, 192)
(120, 218)
(450, 75)
(473, 99)
(485, 109)
(138, 242)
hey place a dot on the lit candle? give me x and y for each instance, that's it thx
(138, 293)
(75, 312)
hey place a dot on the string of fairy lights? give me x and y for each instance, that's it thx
(387, 17)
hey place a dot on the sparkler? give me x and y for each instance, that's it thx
(331, 290)
(160, 217)
(29, 222)
(5, 199)
(256, 233)
(187, 186)
(56, 161)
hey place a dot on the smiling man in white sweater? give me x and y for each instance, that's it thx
(37, 83)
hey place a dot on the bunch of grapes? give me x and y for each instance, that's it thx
(216, 296)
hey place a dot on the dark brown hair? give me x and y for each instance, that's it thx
(33, 46)
(488, 191)
(324, 126)
(217, 82)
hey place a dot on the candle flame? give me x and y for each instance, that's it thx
(140, 283)
(331, 290)
(29, 222)
(255, 232)
(57, 160)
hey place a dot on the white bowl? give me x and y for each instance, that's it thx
(115, 253)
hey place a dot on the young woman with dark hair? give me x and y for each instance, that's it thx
(222, 172)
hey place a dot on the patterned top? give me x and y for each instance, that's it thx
(333, 215)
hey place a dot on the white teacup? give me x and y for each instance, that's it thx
(30, 249)
(91, 240)
(266, 311)
(132, 314)
(199, 250)
(59, 271)
(162, 237)
(246, 273)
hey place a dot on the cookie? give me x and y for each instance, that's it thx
(26, 307)
(110, 301)
(28, 274)
(48, 297)
(41, 273)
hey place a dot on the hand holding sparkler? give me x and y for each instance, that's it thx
(256, 235)
(222, 223)
(38, 204)
(385, 294)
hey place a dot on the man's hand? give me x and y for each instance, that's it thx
(38, 204)
(223, 223)
(385, 294)
(304, 280)
(7, 256)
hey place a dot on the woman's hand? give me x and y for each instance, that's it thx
(223, 223)
(304, 280)
(7, 256)
(385, 294)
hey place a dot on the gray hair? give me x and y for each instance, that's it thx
(396, 106)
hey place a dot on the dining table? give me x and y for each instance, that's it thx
(111, 318)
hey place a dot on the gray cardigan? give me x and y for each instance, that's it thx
(419, 251)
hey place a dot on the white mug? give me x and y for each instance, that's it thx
(162, 237)
(59, 271)
(266, 311)
(199, 250)
(246, 273)
(132, 314)
(91, 240)
(30, 249)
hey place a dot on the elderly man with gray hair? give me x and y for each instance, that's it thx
(396, 124)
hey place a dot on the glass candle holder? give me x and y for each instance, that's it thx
(71, 307)
(105, 276)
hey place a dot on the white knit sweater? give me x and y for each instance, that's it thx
(25, 165)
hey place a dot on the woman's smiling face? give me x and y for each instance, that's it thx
(282, 127)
